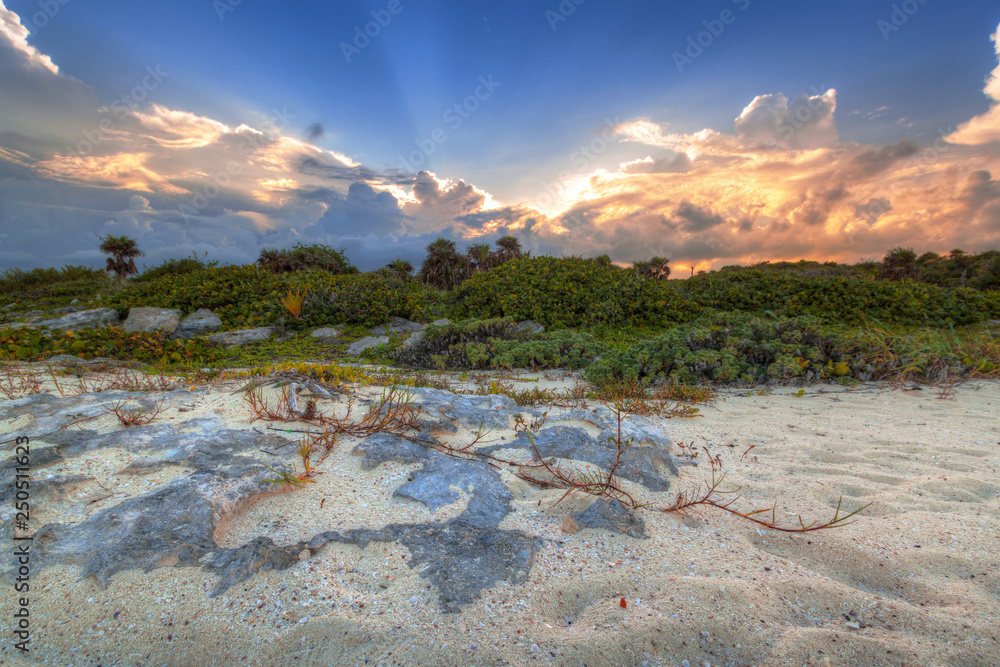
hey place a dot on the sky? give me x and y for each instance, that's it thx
(711, 133)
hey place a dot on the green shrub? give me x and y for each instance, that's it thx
(30, 344)
(564, 293)
(247, 296)
(496, 343)
(57, 285)
(729, 348)
(175, 267)
(842, 300)
(303, 257)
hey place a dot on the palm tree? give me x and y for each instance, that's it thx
(657, 268)
(900, 264)
(400, 268)
(508, 248)
(123, 251)
(443, 267)
(480, 257)
(601, 260)
(961, 264)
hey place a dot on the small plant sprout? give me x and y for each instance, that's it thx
(293, 302)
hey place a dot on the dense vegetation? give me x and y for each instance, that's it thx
(769, 322)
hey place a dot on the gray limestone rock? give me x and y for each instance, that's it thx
(84, 319)
(613, 516)
(493, 411)
(649, 466)
(152, 319)
(224, 471)
(357, 347)
(529, 327)
(199, 323)
(242, 336)
(415, 339)
(396, 326)
(327, 333)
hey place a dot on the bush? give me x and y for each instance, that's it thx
(727, 347)
(495, 343)
(247, 296)
(51, 284)
(29, 344)
(175, 267)
(842, 300)
(563, 293)
(303, 258)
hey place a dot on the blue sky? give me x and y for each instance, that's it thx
(562, 78)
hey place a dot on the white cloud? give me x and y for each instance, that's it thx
(986, 127)
(805, 123)
(17, 36)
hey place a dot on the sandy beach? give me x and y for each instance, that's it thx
(915, 580)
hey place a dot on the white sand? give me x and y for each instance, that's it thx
(915, 581)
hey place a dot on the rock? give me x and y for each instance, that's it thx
(650, 466)
(529, 327)
(148, 320)
(569, 525)
(357, 347)
(242, 336)
(611, 516)
(992, 324)
(84, 319)
(493, 411)
(396, 326)
(65, 311)
(442, 322)
(415, 339)
(199, 323)
(74, 302)
(327, 333)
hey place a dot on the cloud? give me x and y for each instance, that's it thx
(806, 122)
(17, 39)
(985, 127)
(777, 185)
(676, 163)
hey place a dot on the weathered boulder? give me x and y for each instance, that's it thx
(242, 336)
(199, 323)
(613, 516)
(442, 322)
(84, 319)
(415, 339)
(396, 326)
(529, 327)
(327, 333)
(148, 320)
(357, 347)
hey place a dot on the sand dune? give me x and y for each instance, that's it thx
(914, 581)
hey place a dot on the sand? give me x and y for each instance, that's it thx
(915, 580)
